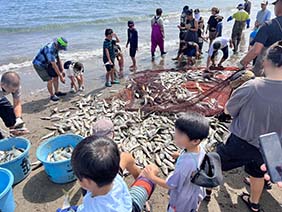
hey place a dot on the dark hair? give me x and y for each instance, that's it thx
(78, 66)
(216, 45)
(11, 78)
(67, 64)
(274, 54)
(194, 125)
(189, 12)
(108, 32)
(96, 159)
(159, 11)
(130, 23)
(185, 8)
(196, 11)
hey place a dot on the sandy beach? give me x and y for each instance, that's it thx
(37, 193)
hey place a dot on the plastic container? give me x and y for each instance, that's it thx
(7, 203)
(20, 166)
(60, 171)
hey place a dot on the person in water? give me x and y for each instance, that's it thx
(158, 35)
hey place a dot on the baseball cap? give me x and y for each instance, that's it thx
(264, 2)
(103, 128)
(240, 6)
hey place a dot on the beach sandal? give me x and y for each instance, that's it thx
(108, 84)
(59, 93)
(115, 82)
(252, 206)
(267, 184)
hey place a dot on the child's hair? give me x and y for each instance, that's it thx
(96, 159)
(67, 64)
(159, 11)
(194, 125)
(78, 66)
(274, 54)
(216, 45)
(108, 32)
(130, 23)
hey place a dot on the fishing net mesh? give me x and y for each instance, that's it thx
(149, 93)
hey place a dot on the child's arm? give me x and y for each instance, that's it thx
(108, 56)
(150, 172)
(117, 39)
(136, 40)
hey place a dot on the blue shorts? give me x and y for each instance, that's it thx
(190, 52)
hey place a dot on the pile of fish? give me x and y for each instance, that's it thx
(8, 155)
(179, 91)
(149, 137)
(60, 154)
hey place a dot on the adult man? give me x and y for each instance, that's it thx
(241, 18)
(248, 6)
(220, 43)
(49, 67)
(263, 15)
(11, 115)
(256, 110)
(158, 35)
(268, 34)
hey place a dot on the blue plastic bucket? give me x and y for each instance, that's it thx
(7, 203)
(20, 166)
(60, 171)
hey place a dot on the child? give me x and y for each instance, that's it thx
(95, 162)
(190, 130)
(74, 71)
(109, 58)
(132, 39)
(219, 26)
(212, 23)
(119, 55)
(190, 49)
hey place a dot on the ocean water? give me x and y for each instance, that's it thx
(27, 25)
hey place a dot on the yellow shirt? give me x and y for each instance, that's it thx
(241, 15)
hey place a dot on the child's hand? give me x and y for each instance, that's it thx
(175, 155)
(110, 63)
(151, 171)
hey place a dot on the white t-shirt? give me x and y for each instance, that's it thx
(223, 43)
(117, 200)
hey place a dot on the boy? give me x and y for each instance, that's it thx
(132, 39)
(219, 26)
(190, 49)
(95, 162)
(109, 58)
(74, 71)
(190, 130)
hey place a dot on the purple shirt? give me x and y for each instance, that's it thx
(184, 195)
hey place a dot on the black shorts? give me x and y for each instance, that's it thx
(109, 67)
(7, 113)
(132, 52)
(237, 153)
(225, 52)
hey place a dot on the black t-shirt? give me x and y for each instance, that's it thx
(212, 22)
(270, 32)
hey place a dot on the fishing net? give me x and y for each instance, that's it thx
(171, 90)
